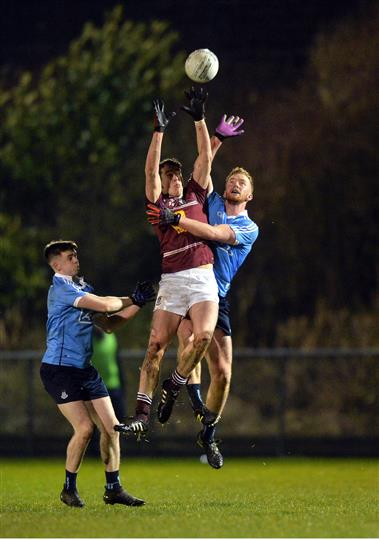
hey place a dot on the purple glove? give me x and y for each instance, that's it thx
(228, 127)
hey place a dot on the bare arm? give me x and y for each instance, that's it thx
(104, 304)
(153, 186)
(196, 109)
(229, 126)
(202, 166)
(143, 292)
(215, 146)
(114, 322)
(215, 233)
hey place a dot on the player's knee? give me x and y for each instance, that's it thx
(85, 430)
(202, 341)
(222, 378)
(110, 433)
(155, 350)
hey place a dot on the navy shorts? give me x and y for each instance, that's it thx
(66, 384)
(223, 321)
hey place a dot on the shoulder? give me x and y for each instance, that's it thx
(159, 202)
(245, 229)
(66, 286)
(215, 198)
(245, 224)
(248, 222)
(193, 186)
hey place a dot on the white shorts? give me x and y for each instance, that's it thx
(179, 291)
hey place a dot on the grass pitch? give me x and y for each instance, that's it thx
(247, 498)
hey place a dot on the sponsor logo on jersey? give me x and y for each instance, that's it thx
(85, 316)
(177, 228)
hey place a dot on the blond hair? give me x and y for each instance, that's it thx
(241, 170)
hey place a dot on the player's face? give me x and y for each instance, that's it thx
(67, 263)
(172, 181)
(238, 189)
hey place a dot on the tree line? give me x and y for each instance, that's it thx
(73, 139)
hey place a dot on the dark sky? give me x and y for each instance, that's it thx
(275, 34)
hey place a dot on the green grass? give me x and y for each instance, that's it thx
(290, 498)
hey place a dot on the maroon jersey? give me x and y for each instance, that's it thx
(180, 250)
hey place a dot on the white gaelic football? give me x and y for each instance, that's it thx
(201, 66)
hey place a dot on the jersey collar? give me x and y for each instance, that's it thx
(78, 280)
(243, 213)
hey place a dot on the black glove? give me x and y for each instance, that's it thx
(197, 99)
(161, 216)
(144, 292)
(161, 119)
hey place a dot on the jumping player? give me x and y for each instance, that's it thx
(188, 283)
(232, 233)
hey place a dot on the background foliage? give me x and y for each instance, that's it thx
(73, 140)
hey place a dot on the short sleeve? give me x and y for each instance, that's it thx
(69, 294)
(197, 190)
(246, 235)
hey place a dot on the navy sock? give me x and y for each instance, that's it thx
(208, 433)
(70, 481)
(112, 479)
(194, 393)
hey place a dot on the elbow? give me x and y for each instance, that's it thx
(215, 237)
(149, 172)
(208, 158)
(112, 305)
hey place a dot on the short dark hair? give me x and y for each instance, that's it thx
(56, 247)
(175, 163)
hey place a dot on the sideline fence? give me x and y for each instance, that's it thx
(282, 402)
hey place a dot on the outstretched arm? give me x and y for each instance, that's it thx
(153, 186)
(143, 292)
(216, 233)
(114, 322)
(196, 109)
(202, 166)
(227, 127)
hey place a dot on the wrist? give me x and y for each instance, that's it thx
(126, 301)
(137, 302)
(219, 136)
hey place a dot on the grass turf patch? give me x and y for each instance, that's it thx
(247, 498)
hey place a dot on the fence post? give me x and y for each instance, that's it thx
(30, 406)
(282, 392)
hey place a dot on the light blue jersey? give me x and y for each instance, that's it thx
(229, 258)
(69, 328)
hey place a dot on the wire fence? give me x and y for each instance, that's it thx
(282, 402)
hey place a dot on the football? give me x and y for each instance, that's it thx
(201, 66)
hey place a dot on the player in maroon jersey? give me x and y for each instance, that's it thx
(187, 283)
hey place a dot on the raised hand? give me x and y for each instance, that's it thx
(161, 119)
(229, 127)
(144, 292)
(196, 107)
(161, 216)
